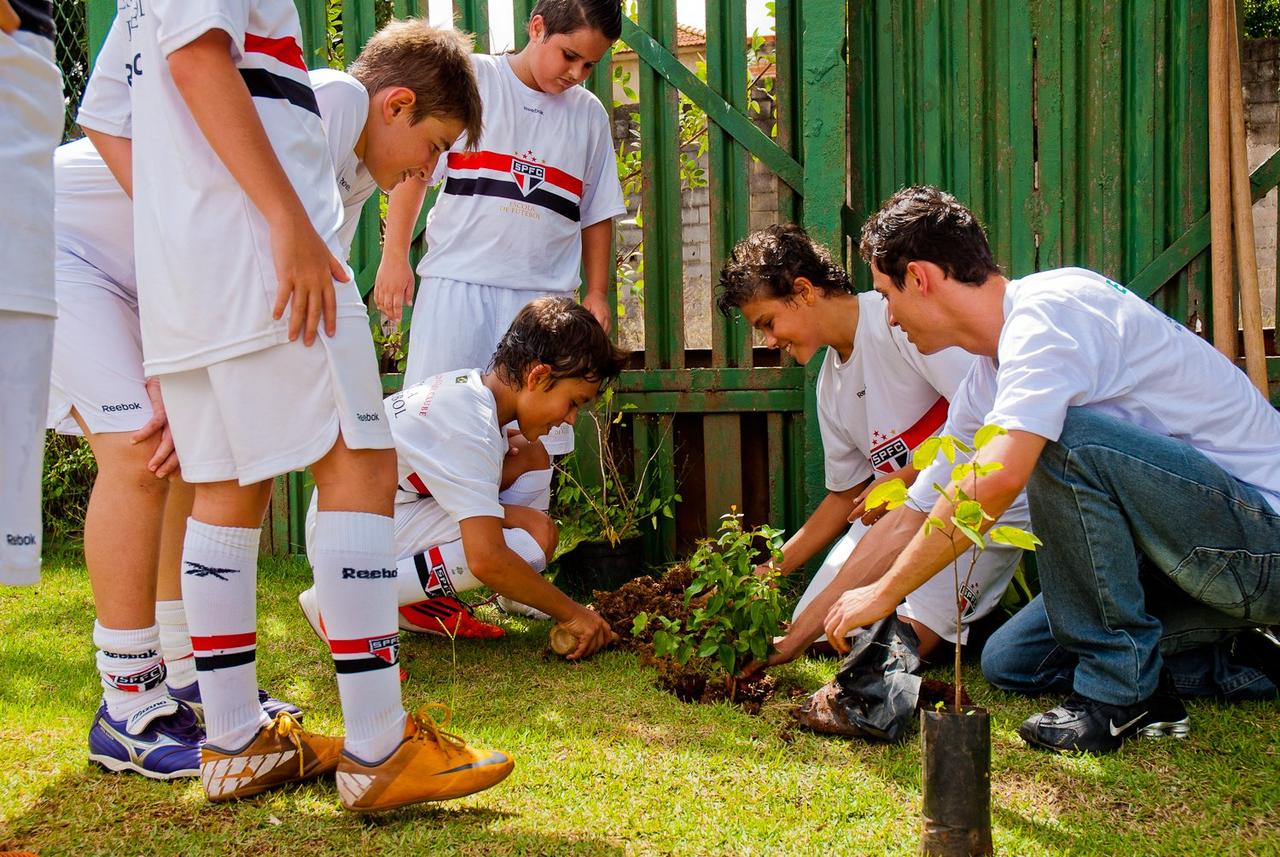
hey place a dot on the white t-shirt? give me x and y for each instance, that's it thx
(449, 448)
(512, 213)
(880, 404)
(93, 217)
(344, 108)
(1073, 338)
(206, 276)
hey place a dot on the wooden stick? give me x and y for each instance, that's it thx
(1224, 305)
(1255, 358)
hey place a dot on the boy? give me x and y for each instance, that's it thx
(452, 531)
(1149, 463)
(878, 398)
(228, 143)
(520, 218)
(30, 125)
(130, 530)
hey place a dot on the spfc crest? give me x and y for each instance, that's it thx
(386, 648)
(527, 175)
(892, 456)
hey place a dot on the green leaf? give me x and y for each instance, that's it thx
(960, 471)
(891, 495)
(969, 532)
(925, 453)
(709, 647)
(969, 512)
(986, 434)
(932, 523)
(989, 467)
(1014, 536)
(641, 622)
(726, 658)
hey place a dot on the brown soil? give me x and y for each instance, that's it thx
(698, 681)
(933, 691)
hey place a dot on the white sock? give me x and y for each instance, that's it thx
(355, 575)
(531, 488)
(439, 570)
(175, 643)
(219, 588)
(132, 674)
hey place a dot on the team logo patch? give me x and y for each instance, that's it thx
(385, 648)
(527, 175)
(138, 682)
(968, 598)
(891, 456)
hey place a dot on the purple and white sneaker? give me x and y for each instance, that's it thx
(191, 696)
(163, 748)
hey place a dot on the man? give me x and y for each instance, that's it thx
(1149, 461)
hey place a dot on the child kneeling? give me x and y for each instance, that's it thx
(452, 533)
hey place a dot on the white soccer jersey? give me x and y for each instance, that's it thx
(93, 217)
(1073, 338)
(512, 213)
(880, 404)
(344, 108)
(449, 448)
(206, 275)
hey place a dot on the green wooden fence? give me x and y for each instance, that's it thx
(1075, 129)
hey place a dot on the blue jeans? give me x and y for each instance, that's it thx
(1131, 523)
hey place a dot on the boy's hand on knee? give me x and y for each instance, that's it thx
(305, 271)
(393, 286)
(164, 461)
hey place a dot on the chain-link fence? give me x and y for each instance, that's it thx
(72, 41)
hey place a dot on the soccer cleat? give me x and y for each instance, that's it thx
(514, 608)
(166, 748)
(429, 764)
(446, 617)
(311, 609)
(191, 696)
(280, 753)
(1084, 724)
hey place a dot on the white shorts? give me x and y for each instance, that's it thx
(457, 325)
(269, 412)
(934, 602)
(97, 355)
(24, 391)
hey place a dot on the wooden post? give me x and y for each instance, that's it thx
(1224, 315)
(1242, 204)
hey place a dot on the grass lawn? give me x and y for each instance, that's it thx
(606, 763)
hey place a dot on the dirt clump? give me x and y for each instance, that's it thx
(662, 596)
(933, 691)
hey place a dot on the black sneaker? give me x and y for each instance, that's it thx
(1080, 723)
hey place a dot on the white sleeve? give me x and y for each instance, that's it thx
(601, 190)
(343, 105)
(844, 464)
(106, 105)
(453, 460)
(964, 418)
(181, 22)
(1050, 362)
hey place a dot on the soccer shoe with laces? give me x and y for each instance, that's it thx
(311, 609)
(165, 748)
(446, 617)
(191, 696)
(428, 764)
(1084, 724)
(280, 753)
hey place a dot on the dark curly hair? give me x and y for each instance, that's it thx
(929, 225)
(767, 262)
(565, 16)
(560, 333)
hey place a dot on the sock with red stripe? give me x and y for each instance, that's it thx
(355, 576)
(219, 589)
(132, 674)
(175, 643)
(438, 570)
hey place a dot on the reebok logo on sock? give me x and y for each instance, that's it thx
(19, 541)
(368, 573)
(197, 570)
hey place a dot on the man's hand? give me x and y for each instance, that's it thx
(9, 20)
(393, 286)
(305, 270)
(870, 516)
(856, 608)
(786, 650)
(591, 631)
(165, 459)
(598, 306)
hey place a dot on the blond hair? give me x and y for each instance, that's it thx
(432, 62)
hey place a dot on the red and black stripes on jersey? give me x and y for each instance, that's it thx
(224, 651)
(263, 82)
(364, 654)
(508, 177)
(895, 452)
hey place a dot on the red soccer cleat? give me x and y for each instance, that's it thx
(446, 617)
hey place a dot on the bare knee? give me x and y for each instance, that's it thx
(545, 533)
(123, 465)
(356, 480)
(527, 457)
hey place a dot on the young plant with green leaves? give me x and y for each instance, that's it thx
(968, 518)
(736, 614)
